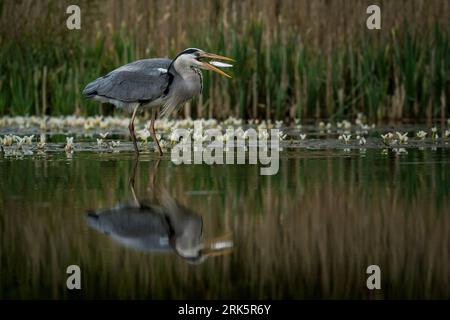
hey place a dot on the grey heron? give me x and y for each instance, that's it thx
(165, 227)
(152, 83)
(171, 227)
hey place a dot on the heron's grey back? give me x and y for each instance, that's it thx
(139, 81)
(139, 228)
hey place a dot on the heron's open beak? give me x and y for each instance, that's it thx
(219, 246)
(209, 66)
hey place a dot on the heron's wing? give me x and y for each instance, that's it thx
(142, 80)
(139, 228)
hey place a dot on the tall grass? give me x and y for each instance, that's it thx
(295, 59)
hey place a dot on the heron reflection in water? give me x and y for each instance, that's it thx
(165, 227)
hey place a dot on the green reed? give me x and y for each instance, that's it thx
(389, 75)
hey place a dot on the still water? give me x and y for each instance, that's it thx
(224, 231)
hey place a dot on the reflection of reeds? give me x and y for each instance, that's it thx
(294, 58)
(309, 231)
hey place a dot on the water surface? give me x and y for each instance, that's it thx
(309, 231)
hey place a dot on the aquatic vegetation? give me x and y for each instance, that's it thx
(101, 128)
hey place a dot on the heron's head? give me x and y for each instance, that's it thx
(197, 58)
(216, 247)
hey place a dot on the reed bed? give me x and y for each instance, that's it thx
(295, 59)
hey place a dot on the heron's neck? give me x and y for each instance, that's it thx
(184, 70)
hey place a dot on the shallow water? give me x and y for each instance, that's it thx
(310, 231)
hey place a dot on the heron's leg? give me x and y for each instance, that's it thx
(152, 125)
(131, 128)
(151, 188)
(132, 179)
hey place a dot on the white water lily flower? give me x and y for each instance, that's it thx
(163, 144)
(345, 137)
(69, 144)
(42, 142)
(302, 136)
(402, 137)
(8, 140)
(421, 134)
(388, 138)
(447, 133)
(115, 144)
(361, 140)
(28, 139)
(88, 125)
(104, 135)
(173, 138)
(99, 142)
(434, 133)
(281, 135)
(143, 134)
(20, 141)
(347, 124)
